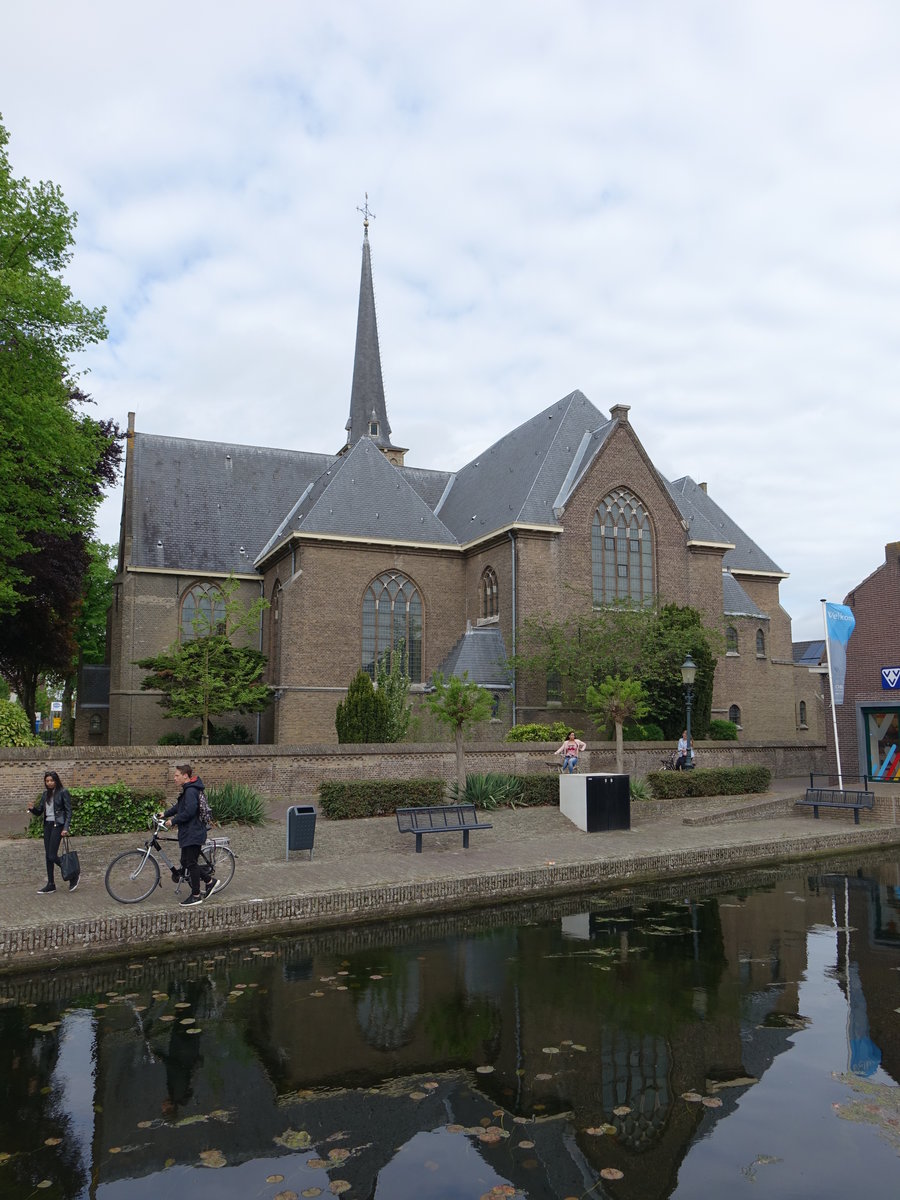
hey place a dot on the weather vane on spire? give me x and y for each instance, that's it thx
(366, 212)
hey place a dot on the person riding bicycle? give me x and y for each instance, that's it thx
(192, 833)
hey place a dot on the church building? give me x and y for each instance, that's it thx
(358, 550)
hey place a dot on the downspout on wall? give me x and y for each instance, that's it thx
(512, 539)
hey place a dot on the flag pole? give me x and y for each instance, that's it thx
(837, 748)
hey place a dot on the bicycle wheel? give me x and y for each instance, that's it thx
(221, 863)
(132, 877)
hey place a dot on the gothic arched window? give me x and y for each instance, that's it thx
(490, 595)
(731, 640)
(202, 607)
(760, 644)
(734, 715)
(392, 614)
(622, 550)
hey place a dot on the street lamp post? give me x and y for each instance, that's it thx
(688, 675)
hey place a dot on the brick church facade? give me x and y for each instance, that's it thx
(356, 550)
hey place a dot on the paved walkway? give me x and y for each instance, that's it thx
(366, 870)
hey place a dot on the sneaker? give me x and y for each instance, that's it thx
(214, 885)
(73, 883)
(48, 887)
(192, 900)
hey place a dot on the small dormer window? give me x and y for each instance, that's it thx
(373, 428)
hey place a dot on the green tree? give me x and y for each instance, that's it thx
(364, 716)
(615, 702)
(459, 703)
(210, 675)
(642, 644)
(678, 632)
(394, 684)
(583, 649)
(96, 600)
(49, 450)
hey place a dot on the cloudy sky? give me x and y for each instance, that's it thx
(688, 206)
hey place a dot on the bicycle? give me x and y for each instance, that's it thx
(134, 875)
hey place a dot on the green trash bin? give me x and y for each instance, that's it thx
(301, 829)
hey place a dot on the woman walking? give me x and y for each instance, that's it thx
(55, 805)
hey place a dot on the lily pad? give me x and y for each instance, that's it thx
(294, 1139)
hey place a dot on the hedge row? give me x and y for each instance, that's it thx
(381, 797)
(377, 797)
(115, 808)
(709, 781)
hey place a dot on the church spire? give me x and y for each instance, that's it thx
(368, 411)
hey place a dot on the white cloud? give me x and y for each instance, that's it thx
(690, 208)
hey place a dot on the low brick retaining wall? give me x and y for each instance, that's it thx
(158, 930)
(288, 772)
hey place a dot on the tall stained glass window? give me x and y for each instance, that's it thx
(622, 550)
(392, 616)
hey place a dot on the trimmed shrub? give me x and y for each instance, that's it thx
(539, 790)
(539, 733)
(343, 800)
(709, 781)
(364, 716)
(111, 809)
(235, 804)
(489, 791)
(722, 731)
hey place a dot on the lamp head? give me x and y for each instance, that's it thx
(688, 671)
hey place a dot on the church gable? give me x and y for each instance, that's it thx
(363, 496)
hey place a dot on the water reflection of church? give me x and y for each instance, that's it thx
(370, 1041)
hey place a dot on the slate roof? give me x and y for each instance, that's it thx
(522, 477)
(735, 601)
(709, 523)
(198, 505)
(809, 654)
(482, 654)
(362, 495)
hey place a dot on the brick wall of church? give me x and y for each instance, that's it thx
(322, 623)
(145, 620)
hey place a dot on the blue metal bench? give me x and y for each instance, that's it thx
(440, 818)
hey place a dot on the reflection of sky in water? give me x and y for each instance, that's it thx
(74, 1077)
(788, 1114)
(436, 1166)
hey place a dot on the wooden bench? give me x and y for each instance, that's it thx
(440, 818)
(837, 798)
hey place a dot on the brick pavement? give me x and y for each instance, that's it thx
(366, 870)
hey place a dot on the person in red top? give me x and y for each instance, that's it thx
(570, 749)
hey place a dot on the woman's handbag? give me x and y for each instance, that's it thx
(69, 866)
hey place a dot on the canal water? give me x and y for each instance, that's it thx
(737, 1036)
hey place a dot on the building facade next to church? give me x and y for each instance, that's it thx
(358, 550)
(868, 721)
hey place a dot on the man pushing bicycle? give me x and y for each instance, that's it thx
(192, 834)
